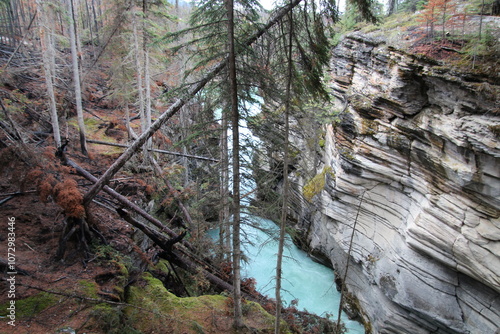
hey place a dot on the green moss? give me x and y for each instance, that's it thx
(368, 127)
(162, 311)
(347, 153)
(92, 124)
(316, 184)
(89, 288)
(107, 316)
(31, 306)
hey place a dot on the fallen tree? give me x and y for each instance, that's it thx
(100, 142)
(182, 258)
(123, 200)
(175, 256)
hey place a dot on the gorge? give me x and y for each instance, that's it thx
(394, 179)
(416, 148)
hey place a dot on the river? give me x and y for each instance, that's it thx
(309, 284)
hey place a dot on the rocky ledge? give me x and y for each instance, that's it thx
(414, 165)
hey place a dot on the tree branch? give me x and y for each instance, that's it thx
(153, 150)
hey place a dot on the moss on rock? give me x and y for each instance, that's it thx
(316, 184)
(156, 309)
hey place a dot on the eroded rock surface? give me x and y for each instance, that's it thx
(416, 158)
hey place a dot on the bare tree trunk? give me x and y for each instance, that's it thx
(481, 21)
(96, 22)
(443, 30)
(176, 106)
(344, 278)
(391, 7)
(286, 182)
(48, 56)
(77, 18)
(76, 78)
(479, 34)
(139, 76)
(235, 116)
(147, 78)
(225, 228)
(495, 9)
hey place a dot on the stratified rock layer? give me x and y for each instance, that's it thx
(415, 167)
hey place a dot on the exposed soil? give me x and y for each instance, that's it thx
(38, 227)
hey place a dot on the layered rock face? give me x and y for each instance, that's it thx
(414, 166)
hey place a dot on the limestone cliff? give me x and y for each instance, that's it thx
(417, 152)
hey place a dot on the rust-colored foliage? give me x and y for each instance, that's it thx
(69, 198)
(248, 285)
(33, 176)
(46, 187)
(65, 194)
(436, 11)
(149, 190)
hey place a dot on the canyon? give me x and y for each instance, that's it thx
(410, 171)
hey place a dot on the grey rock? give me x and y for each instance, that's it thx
(420, 144)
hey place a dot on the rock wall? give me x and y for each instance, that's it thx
(415, 167)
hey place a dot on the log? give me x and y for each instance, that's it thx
(153, 150)
(123, 200)
(179, 257)
(174, 255)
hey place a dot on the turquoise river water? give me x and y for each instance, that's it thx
(305, 281)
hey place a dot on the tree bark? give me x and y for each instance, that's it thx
(344, 278)
(175, 107)
(147, 78)
(286, 182)
(235, 116)
(76, 77)
(48, 56)
(190, 156)
(225, 228)
(139, 72)
(391, 7)
(495, 9)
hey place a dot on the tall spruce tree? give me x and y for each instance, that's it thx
(220, 26)
(209, 46)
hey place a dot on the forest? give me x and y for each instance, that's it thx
(129, 129)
